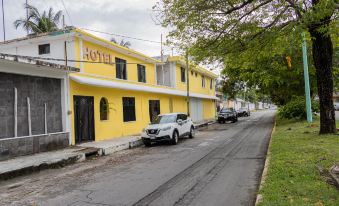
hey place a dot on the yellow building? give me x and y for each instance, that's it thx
(118, 90)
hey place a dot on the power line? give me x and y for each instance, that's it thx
(119, 35)
(70, 19)
(63, 60)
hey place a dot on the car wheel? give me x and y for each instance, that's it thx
(175, 138)
(192, 133)
(147, 143)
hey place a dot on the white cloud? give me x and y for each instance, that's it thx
(127, 17)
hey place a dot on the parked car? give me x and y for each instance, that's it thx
(168, 127)
(227, 114)
(244, 112)
(336, 106)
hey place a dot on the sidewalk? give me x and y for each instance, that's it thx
(54, 159)
(31, 163)
(110, 146)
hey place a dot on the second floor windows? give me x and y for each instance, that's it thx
(141, 73)
(203, 81)
(183, 74)
(121, 69)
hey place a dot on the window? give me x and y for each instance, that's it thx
(202, 80)
(121, 71)
(44, 49)
(211, 84)
(183, 117)
(196, 74)
(103, 109)
(192, 73)
(183, 74)
(141, 73)
(128, 104)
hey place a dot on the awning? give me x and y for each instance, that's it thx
(135, 87)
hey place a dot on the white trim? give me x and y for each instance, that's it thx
(135, 87)
(13, 67)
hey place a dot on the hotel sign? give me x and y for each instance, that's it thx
(97, 56)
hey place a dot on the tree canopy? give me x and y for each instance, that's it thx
(123, 43)
(39, 22)
(253, 40)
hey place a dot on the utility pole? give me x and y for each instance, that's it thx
(307, 81)
(3, 19)
(162, 62)
(188, 84)
(27, 14)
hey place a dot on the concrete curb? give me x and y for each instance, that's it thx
(265, 170)
(117, 148)
(77, 157)
(205, 124)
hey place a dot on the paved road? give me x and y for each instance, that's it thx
(221, 166)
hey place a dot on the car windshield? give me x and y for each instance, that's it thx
(163, 119)
(225, 110)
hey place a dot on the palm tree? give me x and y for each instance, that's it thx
(123, 43)
(37, 22)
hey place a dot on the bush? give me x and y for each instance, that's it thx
(296, 108)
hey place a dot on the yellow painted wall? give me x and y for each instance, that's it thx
(195, 82)
(109, 70)
(114, 126)
(209, 109)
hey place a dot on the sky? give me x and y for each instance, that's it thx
(132, 18)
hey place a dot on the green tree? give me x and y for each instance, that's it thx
(37, 22)
(123, 43)
(216, 30)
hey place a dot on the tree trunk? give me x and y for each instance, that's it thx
(322, 50)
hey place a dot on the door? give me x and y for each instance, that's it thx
(84, 118)
(154, 109)
(196, 109)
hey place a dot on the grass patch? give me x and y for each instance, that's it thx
(293, 179)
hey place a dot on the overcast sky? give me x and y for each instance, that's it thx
(126, 17)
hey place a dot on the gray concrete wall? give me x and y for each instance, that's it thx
(40, 90)
(19, 146)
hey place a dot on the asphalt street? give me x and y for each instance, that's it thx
(222, 165)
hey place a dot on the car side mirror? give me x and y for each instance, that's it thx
(179, 121)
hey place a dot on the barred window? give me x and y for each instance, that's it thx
(128, 109)
(104, 109)
(121, 69)
(44, 49)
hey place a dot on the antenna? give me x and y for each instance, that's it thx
(27, 16)
(63, 22)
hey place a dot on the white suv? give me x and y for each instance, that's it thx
(168, 127)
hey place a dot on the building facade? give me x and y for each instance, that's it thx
(33, 105)
(118, 91)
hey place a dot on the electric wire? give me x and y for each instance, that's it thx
(70, 19)
(2, 55)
